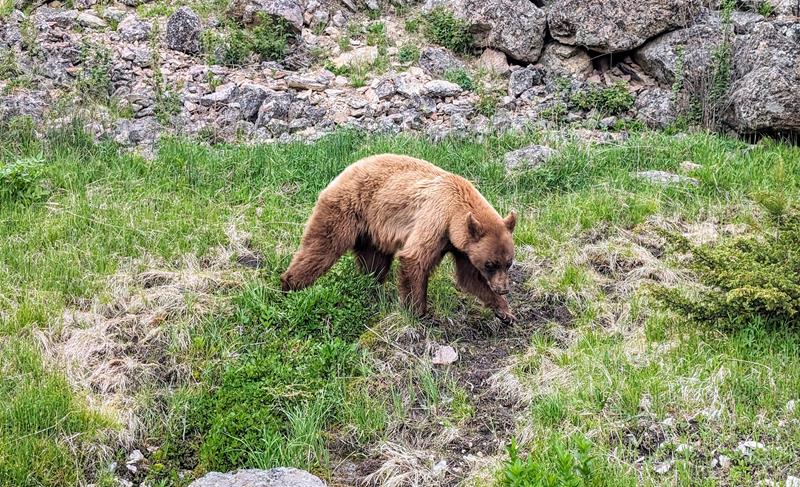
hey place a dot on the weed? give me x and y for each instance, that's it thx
(22, 181)
(610, 100)
(460, 77)
(765, 8)
(9, 69)
(555, 113)
(344, 44)
(6, 7)
(376, 34)
(167, 101)
(412, 24)
(680, 70)
(443, 28)
(487, 102)
(408, 53)
(94, 80)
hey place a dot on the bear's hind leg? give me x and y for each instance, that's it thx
(329, 234)
(370, 260)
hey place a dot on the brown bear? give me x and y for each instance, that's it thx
(391, 205)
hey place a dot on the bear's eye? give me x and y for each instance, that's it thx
(490, 266)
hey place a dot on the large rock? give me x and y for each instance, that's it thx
(247, 11)
(132, 29)
(617, 25)
(569, 61)
(436, 61)
(274, 477)
(522, 80)
(516, 27)
(656, 107)
(765, 94)
(362, 56)
(183, 31)
(687, 52)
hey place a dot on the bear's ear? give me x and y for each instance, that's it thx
(511, 221)
(474, 227)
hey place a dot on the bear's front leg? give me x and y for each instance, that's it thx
(416, 265)
(470, 280)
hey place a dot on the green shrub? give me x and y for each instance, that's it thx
(22, 181)
(412, 25)
(376, 34)
(745, 279)
(460, 77)
(408, 53)
(268, 40)
(443, 28)
(559, 464)
(610, 100)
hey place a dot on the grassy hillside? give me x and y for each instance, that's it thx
(139, 309)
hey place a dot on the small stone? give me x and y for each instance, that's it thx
(444, 355)
(792, 481)
(91, 21)
(664, 177)
(363, 56)
(135, 457)
(440, 88)
(747, 448)
(683, 448)
(312, 81)
(439, 468)
(524, 79)
(529, 157)
(222, 95)
(791, 406)
(494, 61)
(663, 467)
(689, 166)
(724, 462)
(436, 61)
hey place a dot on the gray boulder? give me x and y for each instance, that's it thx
(247, 11)
(655, 107)
(437, 60)
(248, 100)
(617, 25)
(274, 477)
(524, 79)
(183, 31)
(569, 61)
(687, 52)
(765, 93)
(132, 29)
(514, 27)
(440, 88)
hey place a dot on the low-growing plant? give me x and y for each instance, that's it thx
(554, 113)
(609, 100)
(376, 34)
(22, 181)
(561, 464)
(443, 28)
(487, 102)
(408, 53)
(745, 279)
(765, 8)
(94, 79)
(344, 43)
(9, 69)
(411, 25)
(461, 77)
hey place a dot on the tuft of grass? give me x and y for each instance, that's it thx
(408, 53)
(443, 28)
(461, 77)
(267, 40)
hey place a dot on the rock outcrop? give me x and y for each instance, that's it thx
(617, 25)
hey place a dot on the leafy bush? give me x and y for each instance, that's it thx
(557, 465)
(22, 181)
(460, 77)
(748, 278)
(268, 40)
(610, 100)
(443, 28)
(408, 53)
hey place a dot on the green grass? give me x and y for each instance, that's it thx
(78, 211)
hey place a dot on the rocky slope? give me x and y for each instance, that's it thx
(134, 69)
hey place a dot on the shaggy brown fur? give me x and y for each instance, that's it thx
(388, 206)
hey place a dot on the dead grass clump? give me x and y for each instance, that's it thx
(404, 465)
(133, 338)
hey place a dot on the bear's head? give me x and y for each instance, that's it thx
(490, 247)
